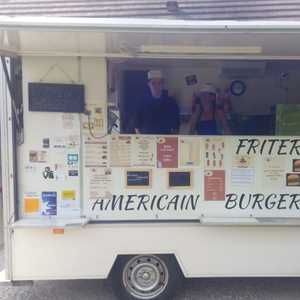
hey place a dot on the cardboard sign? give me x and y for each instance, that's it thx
(167, 152)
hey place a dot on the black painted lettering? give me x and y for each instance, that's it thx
(295, 201)
(162, 197)
(153, 201)
(143, 199)
(174, 202)
(272, 141)
(241, 201)
(241, 145)
(258, 199)
(192, 202)
(254, 143)
(98, 204)
(116, 200)
(231, 201)
(282, 202)
(270, 201)
(129, 202)
(295, 147)
(262, 146)
(282, 146)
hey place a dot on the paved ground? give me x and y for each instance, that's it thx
(194, 289)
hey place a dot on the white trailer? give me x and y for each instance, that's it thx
(82, 201)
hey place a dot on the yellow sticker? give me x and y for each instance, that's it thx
(31, 205)
(68, 195)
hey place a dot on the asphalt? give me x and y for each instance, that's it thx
(193, 289)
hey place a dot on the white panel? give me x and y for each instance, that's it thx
(201, 251)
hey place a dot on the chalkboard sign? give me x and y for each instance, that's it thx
(53, 97)
(137, 178)
(180, 179)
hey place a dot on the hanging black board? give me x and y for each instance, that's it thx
(180, 179)
(53, 97)
(138, 178)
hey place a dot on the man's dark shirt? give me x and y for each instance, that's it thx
(157, 115)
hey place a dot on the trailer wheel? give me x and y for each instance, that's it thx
(154, 277)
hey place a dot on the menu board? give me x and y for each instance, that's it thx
(120, 151)
(144, 151)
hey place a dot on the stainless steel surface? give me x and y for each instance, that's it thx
(188, 9)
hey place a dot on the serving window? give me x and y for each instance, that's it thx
(254, 97)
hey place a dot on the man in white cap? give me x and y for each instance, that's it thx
(158, 113)
(208, 118)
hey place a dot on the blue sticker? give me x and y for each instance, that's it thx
(49, 203)
(72, 159)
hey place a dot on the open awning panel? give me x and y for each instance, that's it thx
(149, 38)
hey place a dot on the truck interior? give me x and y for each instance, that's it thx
(261, 93)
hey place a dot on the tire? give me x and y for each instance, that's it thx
(151, 277)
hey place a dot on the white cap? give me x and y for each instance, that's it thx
(208, 88)
(155, 74)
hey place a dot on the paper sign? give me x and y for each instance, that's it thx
(242, 176)
(243, 161)
(214, 185)
(99, 182)
(189, 149)
(31, 205)
(120, 151)
(167, 152)
(214, 153)
(273, 171)
(49, 203)
(37, 156)
(143, 153)
(96, 153)
(68, 195)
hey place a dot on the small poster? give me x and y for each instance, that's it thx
(31, 203)
(138, 179)
(189, 152)
(214, 185)
(96, 153)
(242, 176)
(49, 204)
(100, 180)
(273, 171)
(167, 152)
(214, 150)
(120, 151)
(143, 151)
(37, 156)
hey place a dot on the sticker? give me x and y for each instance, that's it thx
(73, 173)
(296, 165)
(48, 173)
(72, 159)
(37, 156)
(30, 169)
(73, 141)
(167, 152)
(49, 204)
(292, 179)
(68, 195)
(59, 142)
(46, 143)
(214, 185)
(31, 205)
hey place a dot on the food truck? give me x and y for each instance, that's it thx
(85, 197)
